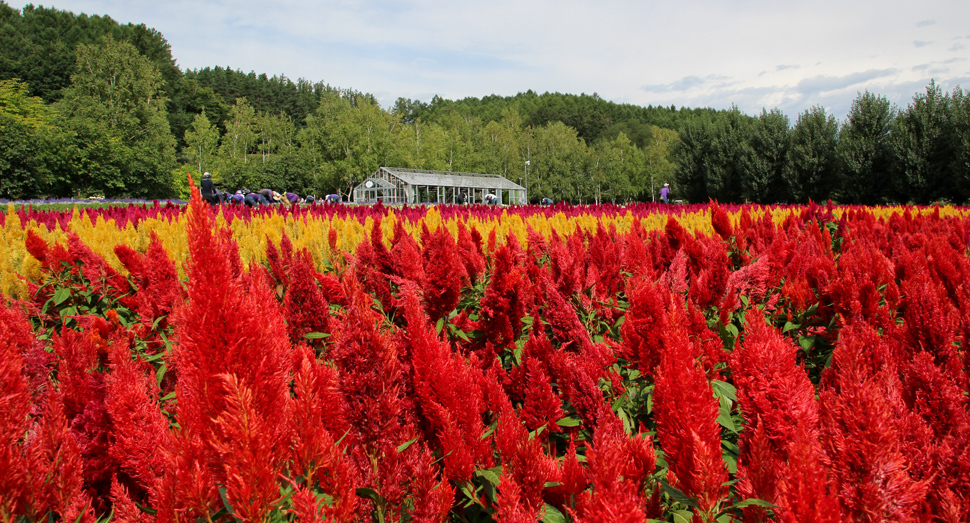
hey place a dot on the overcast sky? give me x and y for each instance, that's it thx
(697, 53)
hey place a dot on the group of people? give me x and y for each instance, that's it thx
(244, 196)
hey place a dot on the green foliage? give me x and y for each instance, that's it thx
(923, 150)
(31, 137)
(114, 104)
(811, 172)
(712, 156)
(201, 141)
(863, 149)
(767, 158)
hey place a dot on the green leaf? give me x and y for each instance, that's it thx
(746, 503)
(551, 514)
(725, 420)
(683, 516)
(440, 325)
(61, 294)
(225, 501)
(316, 335)
(569, 422)
(489, 475)
(789, 326)
(723, 389)
(806, 342)
(678, 495)
(369, 493)
(404, 446)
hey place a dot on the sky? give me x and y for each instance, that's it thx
(753, 54)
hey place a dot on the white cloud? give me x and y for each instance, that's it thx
(749, 53)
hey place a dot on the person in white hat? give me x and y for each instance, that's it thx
(665, 194)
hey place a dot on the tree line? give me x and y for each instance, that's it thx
(879, 154)
(92, 107)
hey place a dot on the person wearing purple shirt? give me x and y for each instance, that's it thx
(292, 197)
(665, 194)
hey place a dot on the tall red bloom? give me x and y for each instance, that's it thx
(865, 426)
(686, 413)
(447, 395)
(230, 325)
(445, 275)
(15, 405)
(157, 284)
(619, 467)
(776, 398)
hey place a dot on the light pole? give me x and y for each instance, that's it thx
(527, 181)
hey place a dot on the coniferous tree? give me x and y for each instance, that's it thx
(768, 154)
(811, 173)
(863, 150)
(923, 149)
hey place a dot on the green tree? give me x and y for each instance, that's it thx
(659, 164)
(812, 165)
(499, 142)
(763, 179)
(923, 150)
(863, 150)
(201, 143)
(691, 153)
(31, 144)
(615, 164)
(347, 140)
(115, 108)
(556, 162)
(960, 103)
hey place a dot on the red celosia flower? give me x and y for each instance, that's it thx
(230, 325)
(124, 508)
(445, 275)
(248, 451)
(686, 413)
(524, 464)
(140, 437)
(721, 222)
(447, 394)
(805, 491)
(619, 467)
(56, 468)
(155, 278)
(470, 252)
(864, 430)
(15, 406)
(433, 496)
(542, 406)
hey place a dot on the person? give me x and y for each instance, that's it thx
(208, 190)
(547, 201)
(332, 198)
(267, 194)
(460, 199)
(237, 198)
(491, 199)
(310, 199)
(665, 194)
(292, 197)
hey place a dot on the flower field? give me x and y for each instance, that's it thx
(476, 364)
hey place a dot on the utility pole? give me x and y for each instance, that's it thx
(527, 181)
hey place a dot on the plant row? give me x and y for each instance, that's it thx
(805, 365)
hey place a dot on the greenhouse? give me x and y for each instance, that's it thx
(412, 186)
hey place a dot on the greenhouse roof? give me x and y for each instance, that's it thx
(452, 179)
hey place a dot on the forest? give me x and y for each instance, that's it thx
(91, 107)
